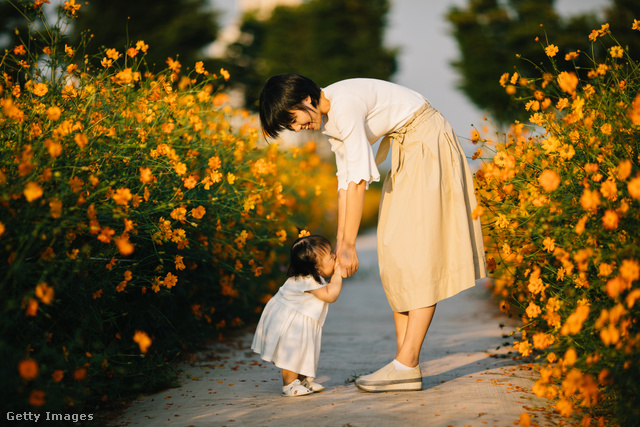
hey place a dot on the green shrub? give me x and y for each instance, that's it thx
(135, 221)
(560, 201)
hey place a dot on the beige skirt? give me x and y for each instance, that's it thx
(429, 247)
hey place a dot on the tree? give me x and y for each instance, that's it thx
(177, 28)
(326, 40)
(496, 37)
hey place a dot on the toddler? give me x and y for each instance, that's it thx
(290, 328)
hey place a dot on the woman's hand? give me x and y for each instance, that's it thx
(348, 259)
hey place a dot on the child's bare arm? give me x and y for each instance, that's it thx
(331, 292)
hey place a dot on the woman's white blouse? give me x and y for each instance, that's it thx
(361, 112)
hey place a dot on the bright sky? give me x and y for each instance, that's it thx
(419, 28)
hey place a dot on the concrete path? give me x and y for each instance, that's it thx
(470, 377)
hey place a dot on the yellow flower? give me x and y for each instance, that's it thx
(635, 25)
(140, 45)
(68, 50)
(606, 129)
(32, 191)
(143, 340)
(304, 233)
(225, 73)
(282, 235)
(106, 63)
(231, 178)
(551, 50)
(200, 67)
(616, 52)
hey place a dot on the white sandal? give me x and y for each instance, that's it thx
(295, 389)
(314, 387)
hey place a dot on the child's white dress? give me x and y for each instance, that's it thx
(290, 328)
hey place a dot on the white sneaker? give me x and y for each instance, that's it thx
(389, 378)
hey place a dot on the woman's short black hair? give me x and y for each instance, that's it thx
(305, 256)
(282, 94)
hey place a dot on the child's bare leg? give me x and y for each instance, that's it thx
(289, 376)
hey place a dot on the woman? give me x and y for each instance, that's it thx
(429, 247)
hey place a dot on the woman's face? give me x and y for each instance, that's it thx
(326, 263)
(306, 119)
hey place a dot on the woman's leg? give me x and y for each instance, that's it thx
(411, 330)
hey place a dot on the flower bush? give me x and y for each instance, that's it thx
(135, 220)
(560, 201)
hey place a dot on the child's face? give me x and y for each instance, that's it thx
(326, 263)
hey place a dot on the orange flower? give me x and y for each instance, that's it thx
(140, 45)
(549, 180)
(590, 200)
(32, 308)
(36, 398)
(179, 263)
(145, 175)
(124, 246)
(28, 369)
(71, 6)
(630, 270)
(568, 82)
(40, 89)
(32, 191)
(57, 375)
(282, 235)
(634, 187)
(180, 168)
(533, 310)
(53, 113)
(81, 139)
(624, 169)
(170, 280)
(198, 212)
(45, 293)
(80, 374)
(143, 341)
(303, 233)
(113, 54)
(54, 148)
(551, 50)
(525, 419)
(610, 219)
(173, 65)
(122, 196)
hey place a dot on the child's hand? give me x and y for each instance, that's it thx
(336, 268)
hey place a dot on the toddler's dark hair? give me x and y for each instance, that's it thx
(304, 256)
(282, 94)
